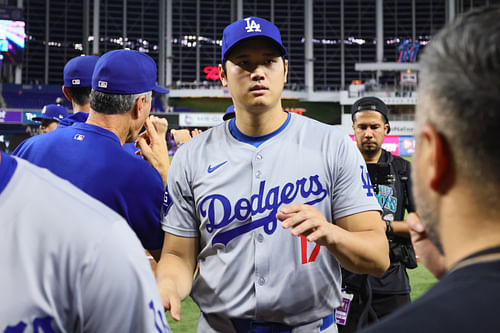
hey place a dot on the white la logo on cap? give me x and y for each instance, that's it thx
(44, 109)
(252, 26)
(75, 81)
(102, 84)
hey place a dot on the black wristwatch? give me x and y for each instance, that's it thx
(388, 227)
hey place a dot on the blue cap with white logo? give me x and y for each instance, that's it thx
(125, 72)
(52, 112)
(78, 71)
(247, 28)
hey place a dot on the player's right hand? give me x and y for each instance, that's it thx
(171, 300)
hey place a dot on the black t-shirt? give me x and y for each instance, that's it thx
(465, 300)
(394, 200)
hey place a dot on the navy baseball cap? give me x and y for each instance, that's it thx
(52, 112)
(78, 71)
(125, 72)
(370, 104)
(229, 113)
(247, 28)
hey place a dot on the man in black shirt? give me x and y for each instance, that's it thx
(376, 297)
(457, 181)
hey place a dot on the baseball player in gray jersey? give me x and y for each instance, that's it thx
(271, 204)
(69, 263)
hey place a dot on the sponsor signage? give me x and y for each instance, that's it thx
(28, 116)
(199, 119)
(406, 145)
(10, 116)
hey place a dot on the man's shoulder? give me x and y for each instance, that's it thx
(397, 161)
(36, 142)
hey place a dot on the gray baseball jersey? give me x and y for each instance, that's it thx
(227, 192)
(69, 263)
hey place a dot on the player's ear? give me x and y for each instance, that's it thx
(139, 107)
(66, 93)
(439, 159)
(386, 128)
(222, 76)
(286, 68)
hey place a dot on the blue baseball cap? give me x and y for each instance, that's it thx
(125, 72)
(229, 113)
(52, 112)
(78, 71)
(247, 28)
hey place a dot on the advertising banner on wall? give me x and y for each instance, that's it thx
(201, 119)
(406, 145)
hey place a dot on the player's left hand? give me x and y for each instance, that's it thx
(153, 145)
(307, 221)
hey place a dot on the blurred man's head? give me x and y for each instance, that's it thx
(50, 117)
(78, 79)
(370, 125)
(458, 116)
(123, 82)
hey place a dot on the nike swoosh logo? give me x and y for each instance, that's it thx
(212, 169)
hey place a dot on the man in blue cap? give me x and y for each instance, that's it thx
(51, 115)
(253, 200)
(77, 85)
(90, 154)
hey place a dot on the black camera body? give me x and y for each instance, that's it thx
(380, 174)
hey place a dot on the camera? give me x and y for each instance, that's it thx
(380, 174)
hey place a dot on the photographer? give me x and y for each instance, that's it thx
(374, 298)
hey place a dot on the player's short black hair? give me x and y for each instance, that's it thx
(80, 95)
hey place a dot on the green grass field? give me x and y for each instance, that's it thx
(420, 280)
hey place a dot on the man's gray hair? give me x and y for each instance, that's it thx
(114, 103)
(459, 93)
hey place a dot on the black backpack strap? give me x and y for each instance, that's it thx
(401, 167)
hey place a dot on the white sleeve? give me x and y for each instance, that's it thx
(180, 218)
(117, 286)
(352, 190)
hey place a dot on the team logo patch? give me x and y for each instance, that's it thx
(167, 203)
(252, 26)
(365, 179)
(79, 137)
(102, 84)
(75, 82)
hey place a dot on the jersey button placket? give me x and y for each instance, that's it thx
(261, 257)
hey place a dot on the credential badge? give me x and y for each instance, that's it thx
(252, 26)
